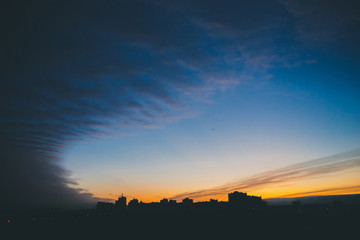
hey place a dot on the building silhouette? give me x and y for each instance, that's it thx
(236, 200)
(164, 202)
(134, 204)
(236, 197)
(120, 204)
(242, 200)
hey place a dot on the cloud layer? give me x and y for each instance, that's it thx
(76, 70)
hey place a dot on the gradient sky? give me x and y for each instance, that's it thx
(163, 98)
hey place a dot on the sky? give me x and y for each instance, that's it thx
(178, 99)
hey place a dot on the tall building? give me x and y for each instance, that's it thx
(121, 202)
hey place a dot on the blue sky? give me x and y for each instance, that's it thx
(155, 98)
(301, 113)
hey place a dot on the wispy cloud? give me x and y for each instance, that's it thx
(325, 191)
(74, 71)
(292, 173)
(324, 20)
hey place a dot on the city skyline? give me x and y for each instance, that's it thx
(122, 202)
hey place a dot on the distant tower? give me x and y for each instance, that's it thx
(121, 202)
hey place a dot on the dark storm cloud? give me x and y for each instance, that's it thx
(286, 175)
(74, 70)
(33, 178)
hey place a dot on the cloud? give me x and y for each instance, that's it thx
(326, 21)
(73, 71)
(292, 173)
(79, 70)
(325, 191)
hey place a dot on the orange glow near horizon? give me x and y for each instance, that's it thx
(338, 174)
(327, 185)
(293, 194)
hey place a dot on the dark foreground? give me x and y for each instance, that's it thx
(306, 222)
